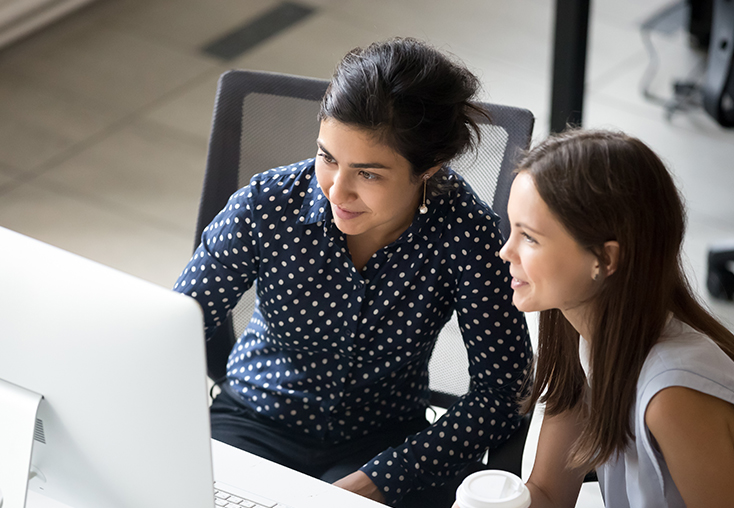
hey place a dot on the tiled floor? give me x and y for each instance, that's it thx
(104, 116)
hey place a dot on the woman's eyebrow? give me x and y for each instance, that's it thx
(321, 147)
(355, 165)
(525, 226)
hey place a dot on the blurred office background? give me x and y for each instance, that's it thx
(105, 112)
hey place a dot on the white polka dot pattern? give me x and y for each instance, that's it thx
(337, 353)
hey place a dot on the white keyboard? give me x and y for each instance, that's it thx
(276, 485)
(227, 496)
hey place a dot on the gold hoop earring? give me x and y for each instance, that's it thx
(424, 209)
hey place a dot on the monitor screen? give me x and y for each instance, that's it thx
(120, 364)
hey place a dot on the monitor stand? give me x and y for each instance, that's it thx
(18, 409)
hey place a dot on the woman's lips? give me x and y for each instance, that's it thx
(517, 283)
(345, 214)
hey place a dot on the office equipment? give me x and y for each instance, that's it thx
(253, 478)
(119, 363)
(711, 23)
(668, 21)
(264, 120)
(124, 418)
(269, 480)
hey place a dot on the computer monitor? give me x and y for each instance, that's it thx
(120, 364)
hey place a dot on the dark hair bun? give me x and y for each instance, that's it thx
(415, 98)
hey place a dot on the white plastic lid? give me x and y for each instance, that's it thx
(493, 489)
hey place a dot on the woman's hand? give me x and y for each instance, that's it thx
(359, 483)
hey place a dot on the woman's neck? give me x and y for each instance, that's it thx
(580, 319)
(364, 245)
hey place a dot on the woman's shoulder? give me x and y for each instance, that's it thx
(280, 184)
(686, 357)
(680, 345)
(294, 174)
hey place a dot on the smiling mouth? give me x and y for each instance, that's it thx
(345, 214)
(516, 283)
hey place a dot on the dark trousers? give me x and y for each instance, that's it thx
(242, 428)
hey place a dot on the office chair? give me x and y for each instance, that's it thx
(264, 120)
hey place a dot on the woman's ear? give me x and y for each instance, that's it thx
(611, 257)
(432, 171)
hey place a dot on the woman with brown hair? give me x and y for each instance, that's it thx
(637, 377)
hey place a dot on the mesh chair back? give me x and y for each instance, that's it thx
(489, 170)
(261, 120)
(264, 120)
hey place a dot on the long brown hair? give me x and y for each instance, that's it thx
(605, 186)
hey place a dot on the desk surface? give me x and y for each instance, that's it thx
(260, 476)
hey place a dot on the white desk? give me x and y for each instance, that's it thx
(262, 477)
(277, 482)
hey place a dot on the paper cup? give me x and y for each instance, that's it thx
(492, 489)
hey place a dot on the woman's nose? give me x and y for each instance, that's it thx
(341, 190)
(505, 251)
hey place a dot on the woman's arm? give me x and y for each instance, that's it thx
(695, 433)
(552, 483)
(224, 264)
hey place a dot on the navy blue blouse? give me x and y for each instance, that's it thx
(337, 353)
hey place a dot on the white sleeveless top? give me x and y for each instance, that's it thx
(639, 477)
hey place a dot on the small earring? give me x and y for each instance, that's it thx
(424, 209)
(596, 275)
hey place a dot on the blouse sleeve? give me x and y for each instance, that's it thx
(224, 264)
(500, 354)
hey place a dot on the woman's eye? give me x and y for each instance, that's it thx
(326, 157)
(367, 176)
(528, 238)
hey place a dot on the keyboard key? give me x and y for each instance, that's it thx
(238, 498)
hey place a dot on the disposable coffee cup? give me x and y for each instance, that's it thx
(492, 489)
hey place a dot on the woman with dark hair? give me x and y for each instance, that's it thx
(637, 377)
(359, 258)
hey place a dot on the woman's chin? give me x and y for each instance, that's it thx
(522, 304)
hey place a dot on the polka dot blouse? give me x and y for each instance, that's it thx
(336, 353)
